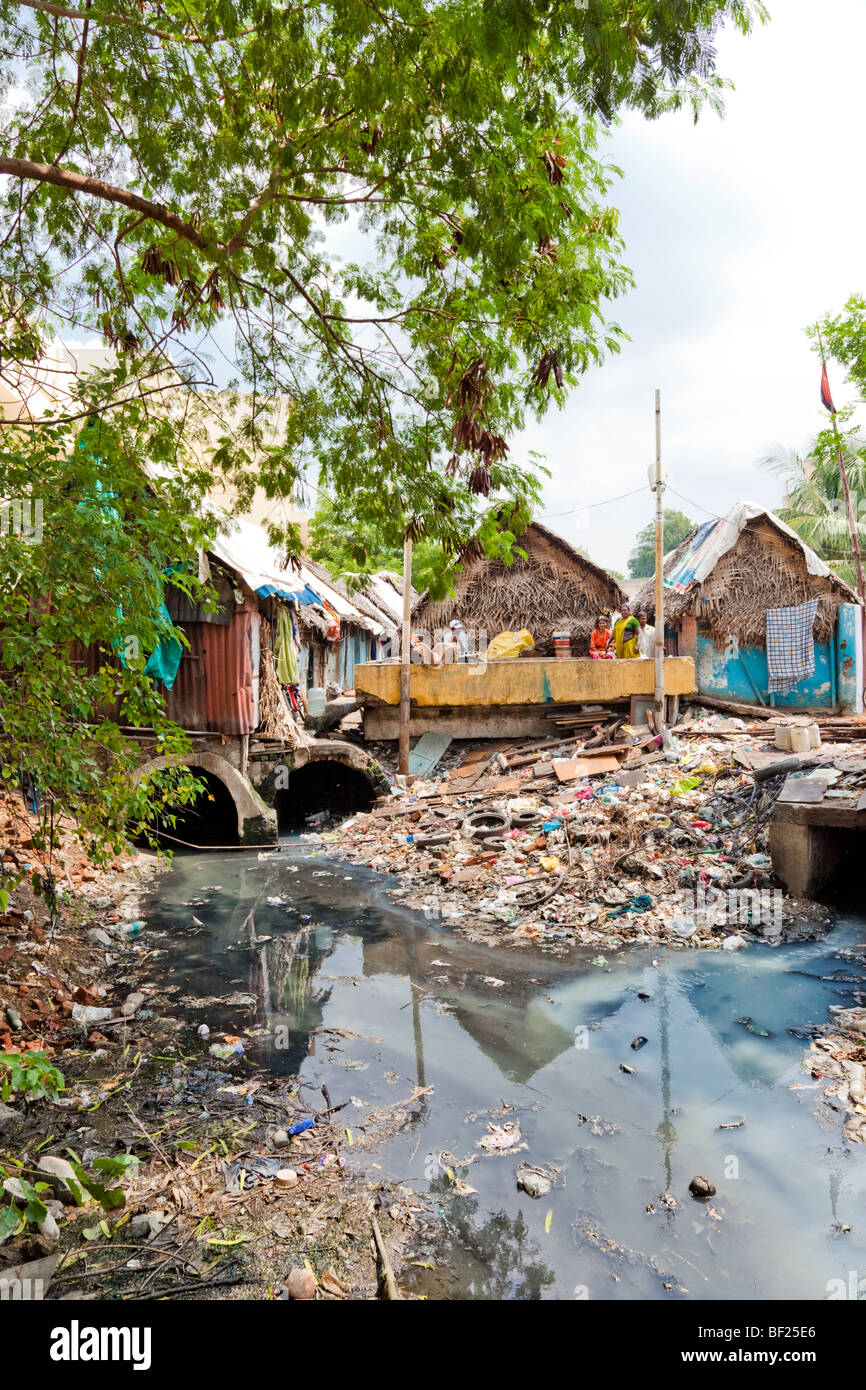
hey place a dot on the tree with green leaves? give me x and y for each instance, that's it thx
(642, 560)
(83, 568)
(178, 171)
(182, 180)
(366, 550)
(814, 503)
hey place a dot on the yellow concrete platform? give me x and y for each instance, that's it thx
(523, 681)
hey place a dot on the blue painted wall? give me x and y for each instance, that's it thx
(727, 678)
(850, 649)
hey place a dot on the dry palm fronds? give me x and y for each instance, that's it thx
(763, 570)
(275, 721)
(554, 589)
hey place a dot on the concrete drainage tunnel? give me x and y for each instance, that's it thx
(320, 791)
(209, 821)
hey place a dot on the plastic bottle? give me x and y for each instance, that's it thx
(132, 928)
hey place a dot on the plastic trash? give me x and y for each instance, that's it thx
(300, 1127)
(224, 1051)
(132, 928)
(89, 1013)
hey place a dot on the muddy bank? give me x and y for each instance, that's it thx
(222, 1200)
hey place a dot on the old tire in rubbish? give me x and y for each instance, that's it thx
(480, 824)
(522, 820)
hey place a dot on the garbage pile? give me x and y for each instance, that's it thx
(600, 839)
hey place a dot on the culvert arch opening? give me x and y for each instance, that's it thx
(211, 819)
(322, 790)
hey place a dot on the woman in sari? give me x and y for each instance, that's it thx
(619, 629)
(630, 639)
(600, 640)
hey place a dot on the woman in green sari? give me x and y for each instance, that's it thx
(626, 631)
(630, 639)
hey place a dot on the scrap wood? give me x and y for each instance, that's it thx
(568, 769)
(388, 1278)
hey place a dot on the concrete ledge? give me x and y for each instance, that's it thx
(809, 842)
(524, 681)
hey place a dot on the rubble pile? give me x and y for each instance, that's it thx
(840, 1058)
(599, 840)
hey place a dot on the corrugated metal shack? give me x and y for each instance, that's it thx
(216, 688)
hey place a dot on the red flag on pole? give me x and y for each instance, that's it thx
(826, 398)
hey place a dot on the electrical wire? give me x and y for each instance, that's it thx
(590, 505)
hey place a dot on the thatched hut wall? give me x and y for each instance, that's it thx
(554, 589)
(764, 569)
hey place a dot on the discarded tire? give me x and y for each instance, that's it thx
(484, 823)
(522, 820)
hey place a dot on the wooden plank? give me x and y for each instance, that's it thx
(568, 769)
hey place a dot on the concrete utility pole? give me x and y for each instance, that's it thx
(405, 657)
(658, 488)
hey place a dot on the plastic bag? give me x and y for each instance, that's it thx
(506, 645)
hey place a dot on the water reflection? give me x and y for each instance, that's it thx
(373, 1001)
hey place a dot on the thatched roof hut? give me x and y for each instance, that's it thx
(555, 589)
(763, 564)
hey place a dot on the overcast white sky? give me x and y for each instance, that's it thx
(740, 232)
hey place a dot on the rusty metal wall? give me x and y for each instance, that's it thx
(185, 703)
(228, 674)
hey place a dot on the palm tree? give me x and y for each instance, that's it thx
(814, 503)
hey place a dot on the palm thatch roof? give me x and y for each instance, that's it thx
(766, 567)
(555, 589)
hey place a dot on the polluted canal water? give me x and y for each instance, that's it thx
(372, 1000)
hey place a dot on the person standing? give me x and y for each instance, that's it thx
(646, 642)
(619, 629)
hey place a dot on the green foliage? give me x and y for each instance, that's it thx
(83, 1188)
(360, 549)
(642, 560)
(814, 504)
(29, 1074)
(223, 143)
(86, 567)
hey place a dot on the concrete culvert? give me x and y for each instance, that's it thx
(212, 819)
(322, 786)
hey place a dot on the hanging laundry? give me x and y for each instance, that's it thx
(287, 652)
(164, 662)
(790, 645)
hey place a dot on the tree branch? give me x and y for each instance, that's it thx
(96, 188)
(108, 17)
